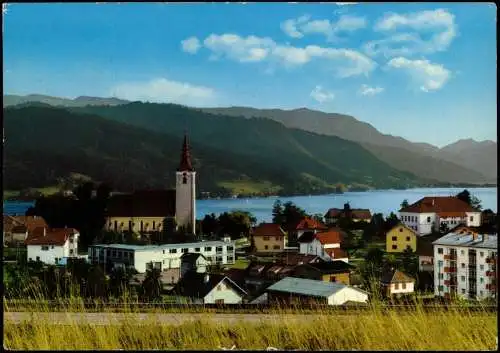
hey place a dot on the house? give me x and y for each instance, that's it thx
(396, 283)
(428, 214)
(425, 252)
(164, 256)
(299, 290)
(355, 214)
(16, 229)
(145, 211)
(465, 264)
(400, 238)
(269, 238)
(51, 245)
(325, 245)
(332, 271)
(205, 288)
(168, 278)
(294, 259)
(193, 262)
(309, 225)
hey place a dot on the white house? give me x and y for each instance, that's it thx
(193, 262)
(291, 289)
(309, 225)
(465, 265)
(204, 288)
(429, 213)
(161, 256)
(50, 246)
(395, 282)
(325, 245)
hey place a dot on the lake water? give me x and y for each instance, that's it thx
(378, 201)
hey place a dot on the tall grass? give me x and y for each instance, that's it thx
(375, 329)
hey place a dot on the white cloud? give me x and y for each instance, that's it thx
(429, 76)
(366, 90)
(296, 28)
(162, 90)
(249, 49)
(320, 95)
(440, 24)
(191, 45)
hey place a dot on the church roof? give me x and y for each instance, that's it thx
(185, 165)
(142, 203)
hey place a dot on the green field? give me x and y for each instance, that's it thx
(49, 190)
(249, 187)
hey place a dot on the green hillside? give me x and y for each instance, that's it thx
(138, 145)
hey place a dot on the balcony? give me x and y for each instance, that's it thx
(450, 282)
(491, 273)
(491, 260)
(450, 257)
(491, 287)
(450, 269)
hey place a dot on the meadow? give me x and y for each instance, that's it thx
(373, 329)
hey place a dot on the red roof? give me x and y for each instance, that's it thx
(438, 205)
(356, 213)
(30, 222)
(53, 236)
(309, 223)
(361, 214)
(268, 230)
(336, 253)
(451, 214)
(330, 237)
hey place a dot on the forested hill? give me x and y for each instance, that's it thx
(138, 145)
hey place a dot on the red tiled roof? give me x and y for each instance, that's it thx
(438, 204)
(330, 237)
(356, 213)
(30, 222)
(451, 214)
(336, 253)
(309, 223)
(53, 236)
(396, 276)
(361, 214)
(268, 230)
(333, 213)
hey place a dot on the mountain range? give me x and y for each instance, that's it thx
(237, 149)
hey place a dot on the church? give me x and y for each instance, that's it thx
(146, 211)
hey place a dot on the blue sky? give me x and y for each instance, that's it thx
(425, 72)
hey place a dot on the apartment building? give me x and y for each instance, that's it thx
(465, 264)
(162, 257)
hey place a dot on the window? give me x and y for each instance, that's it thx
(481, 254)
(196, 249)
(480, 292)
(266, 238)
(481, 267)
(462, 252)
(266, 247)
(394, 247)
(441, 276)
(45, 248)
(462, 278)
(71, 241)
(219, 301)
(400, 230)
(114, 253)
(218, 249)
(403, 285)
(52, 246)
(463, 265)
(472, 218)
(440, 250)
(184, 250)
(119, 254)
(163, 252)
(172, 251)
(440, 263)
(333, 279)
(481, 280)
(440, 288)
(154, 223)
(463, 291)
(71, 251)
(407, 238)
(276, 247)
(184, 178)
(428, 219)
(394, 238)
(208, 248)
(229, 248)
(219, 287)
(396, 286)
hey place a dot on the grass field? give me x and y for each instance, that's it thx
(49, 190)
(373, 330)
(249, 187)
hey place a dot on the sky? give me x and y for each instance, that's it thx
(422, 71)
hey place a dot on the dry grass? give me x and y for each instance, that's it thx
(372, 330)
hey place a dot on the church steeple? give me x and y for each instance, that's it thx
(185, 165)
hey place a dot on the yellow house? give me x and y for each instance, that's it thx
(143, 211)
(269, 238)
(326, 271)
(399, 238)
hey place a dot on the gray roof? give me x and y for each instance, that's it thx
(163, 246)
(309, 287)
(488, 241)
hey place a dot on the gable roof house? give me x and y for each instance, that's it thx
(269, 238)
(427, 214)
(299, 290)
(16, 229)
(395, 282)
(193, 262)
(307, 225)
(401, 237)
(205, 288)
(52, 245)
(325, 245)
(332, 271)
(355, 214)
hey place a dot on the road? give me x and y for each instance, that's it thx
(62, 318)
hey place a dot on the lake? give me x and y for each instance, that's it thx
(378, 201)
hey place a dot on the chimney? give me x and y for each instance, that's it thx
(474, 236)
(44, 231)
(206, 278)
(432, 202)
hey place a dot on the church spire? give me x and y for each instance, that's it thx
(185, 165)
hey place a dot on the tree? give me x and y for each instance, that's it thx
(391, 221)
(409, 262)
(278, 216)
(96, 283)
(404, 204)
(151, 285)
(292, 215)
(466, 197)
(318, 217)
